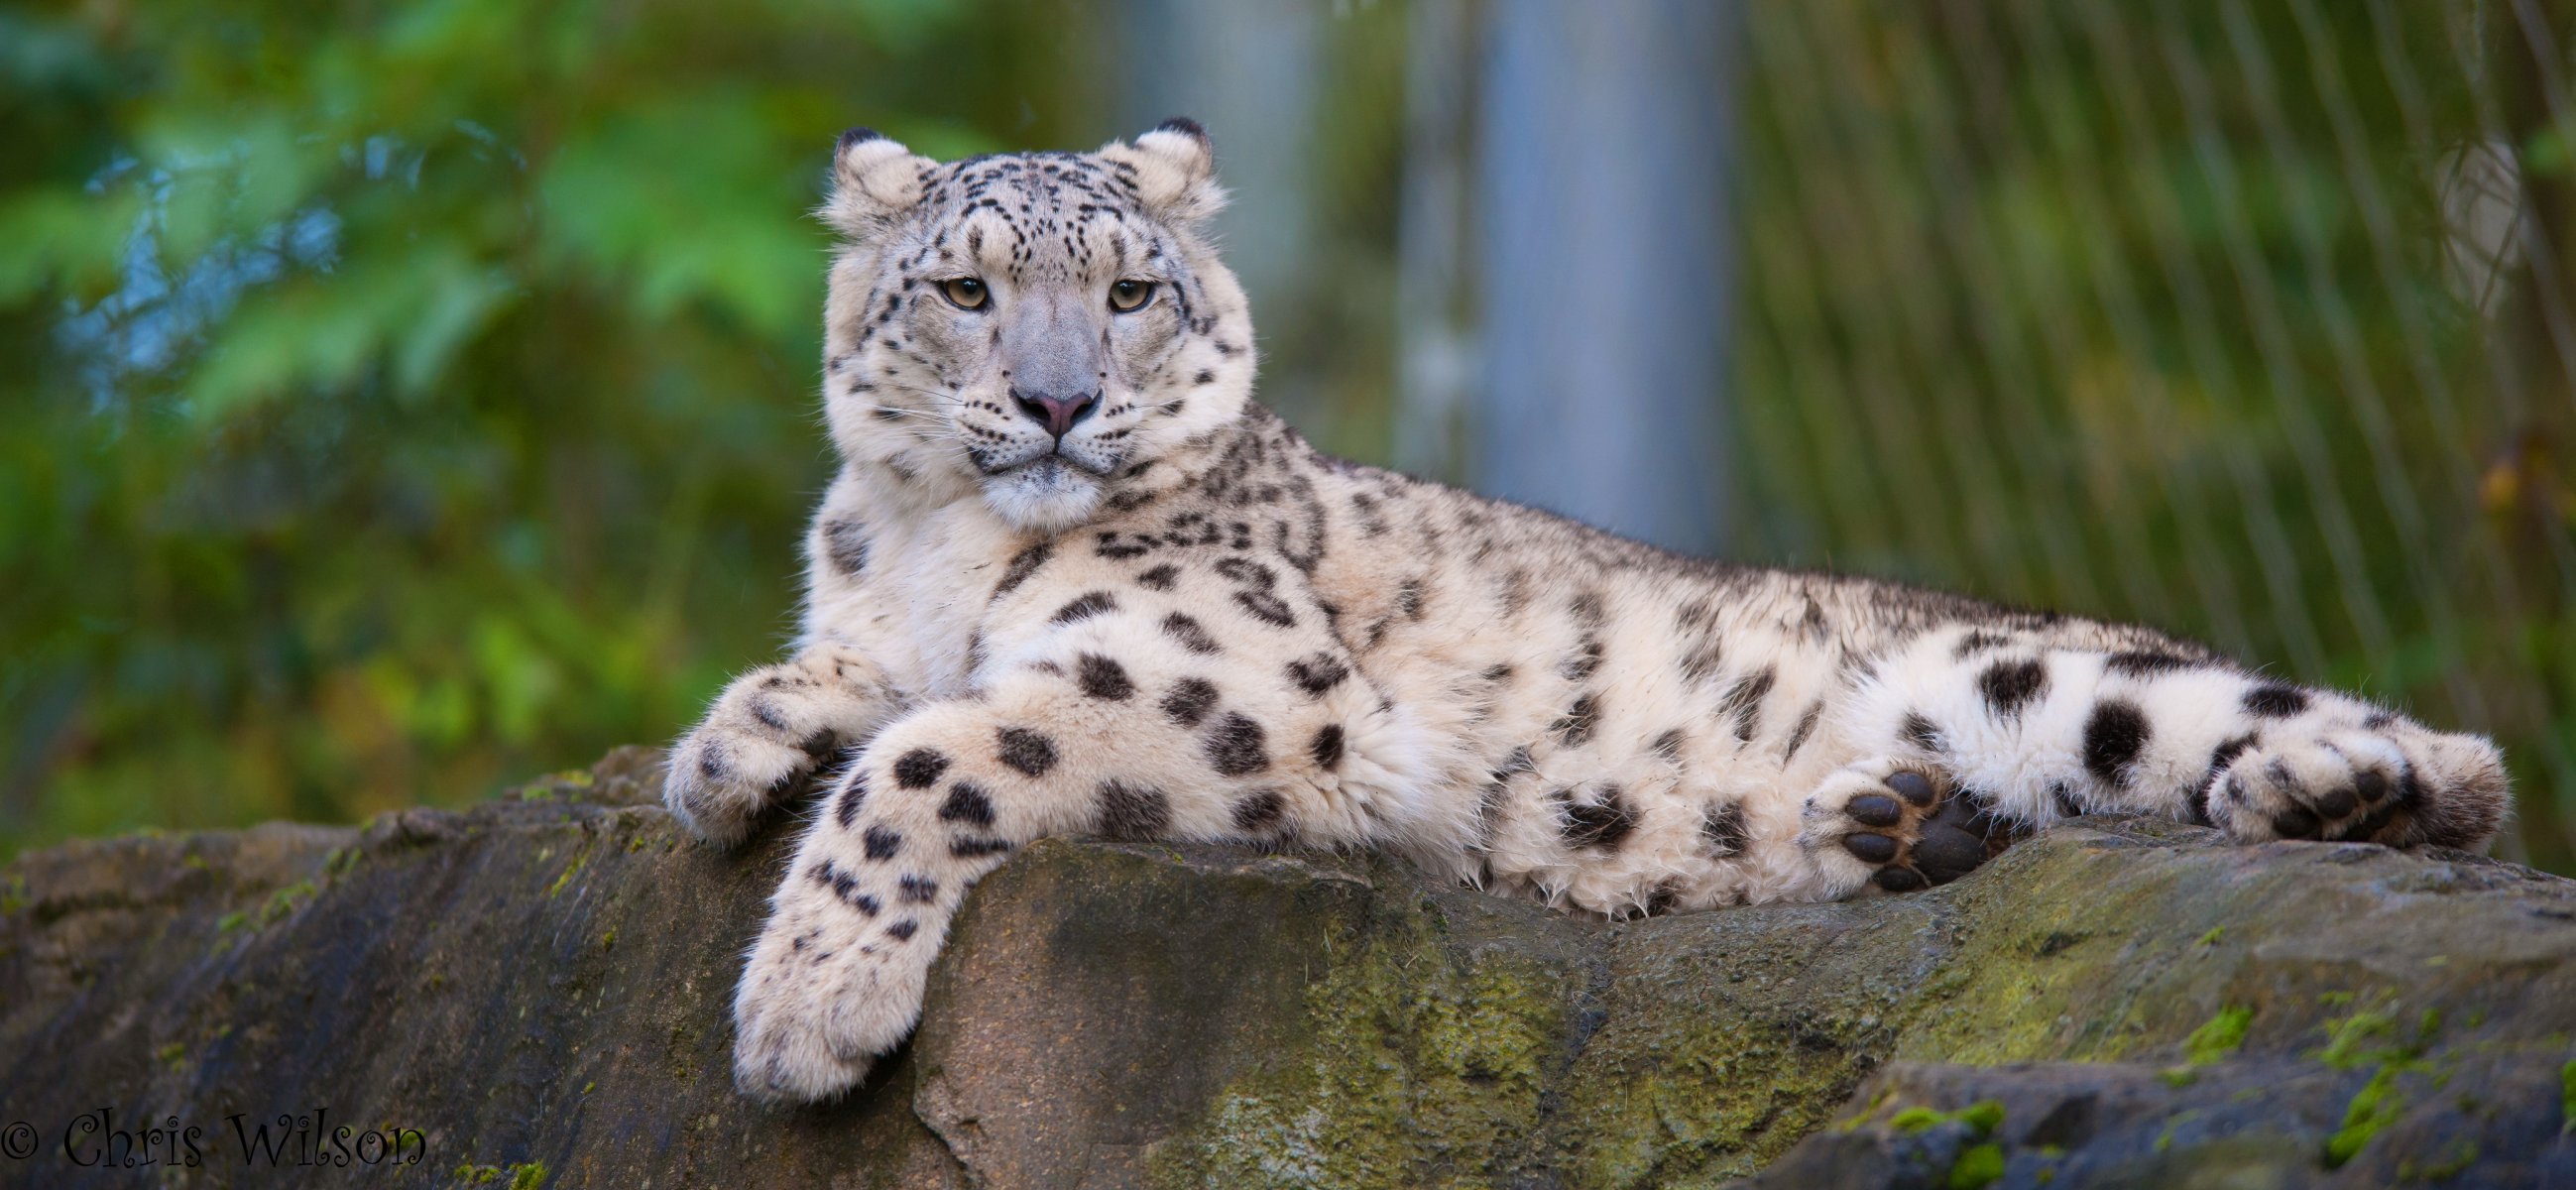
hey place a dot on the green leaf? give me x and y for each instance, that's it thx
(60, 235)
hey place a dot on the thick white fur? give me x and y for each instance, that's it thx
(1209, 631)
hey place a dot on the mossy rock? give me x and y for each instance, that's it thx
(540, 986)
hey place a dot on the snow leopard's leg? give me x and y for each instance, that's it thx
(1973, 736)
(1131, 730)
(766, 732)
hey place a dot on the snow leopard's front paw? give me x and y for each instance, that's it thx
(1895, 825)
(768, 731)
(817, 1004)
(2384, 781)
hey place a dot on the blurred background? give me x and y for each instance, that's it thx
(400, 397)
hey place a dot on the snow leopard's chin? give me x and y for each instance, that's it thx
(1049, 495)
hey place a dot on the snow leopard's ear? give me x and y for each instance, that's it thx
(1174, 168)
(875, 181)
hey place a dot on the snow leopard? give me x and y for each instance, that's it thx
(1070, 579)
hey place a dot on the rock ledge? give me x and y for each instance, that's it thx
(539, 987)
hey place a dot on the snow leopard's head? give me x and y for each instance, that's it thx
(1036, 327)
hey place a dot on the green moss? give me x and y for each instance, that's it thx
(174, 1056)
(2035, 985)
(282, 903)
(13, 895)
(528, 1176)
(1992, 1005)
(2213, 936)
(1867, 1111)
(2371, 1037)
(2358, 1040)
(1711, 1089)
(570, 870)
(232, 921)
(2456, 1158)
(2218, 1037)
(2212, 1042)
(1981, 1117)
(2165, 1136)
(1420, 1067)
(2375, 1106)
(1978, 1166)
(2567, 1098)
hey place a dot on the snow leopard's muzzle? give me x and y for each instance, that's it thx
(1055, 382)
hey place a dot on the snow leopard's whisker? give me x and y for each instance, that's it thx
(949, 397)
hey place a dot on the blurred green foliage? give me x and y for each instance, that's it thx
(404, 397)
(409, 395)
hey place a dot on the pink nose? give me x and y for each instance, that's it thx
(1057, 414)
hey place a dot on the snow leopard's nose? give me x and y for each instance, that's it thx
(1057, 414)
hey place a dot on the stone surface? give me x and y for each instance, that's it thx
(540, 986)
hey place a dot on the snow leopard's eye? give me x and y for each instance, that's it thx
(967, 292)
(1130, 295)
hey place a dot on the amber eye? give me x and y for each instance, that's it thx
(1130, 295)
(967, 292)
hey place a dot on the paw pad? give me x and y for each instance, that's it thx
(1870, 809)
(1910, 829)
(2332, 785)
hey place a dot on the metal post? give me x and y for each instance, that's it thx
(1604, 150)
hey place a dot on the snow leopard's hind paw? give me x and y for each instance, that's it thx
(2383, 781)
(1896, 826)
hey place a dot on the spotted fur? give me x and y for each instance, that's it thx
(1070, 579)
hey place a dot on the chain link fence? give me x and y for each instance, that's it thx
(2246, 319)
